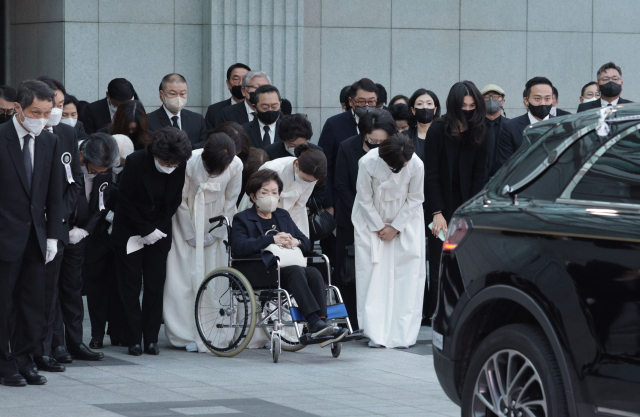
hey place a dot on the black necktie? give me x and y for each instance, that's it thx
(266, 139)
(26, 158)
(609, 105)
(174, 122)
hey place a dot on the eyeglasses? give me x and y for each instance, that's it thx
(371, 140)
(607, 79)
(8, 112)
(496, 97)
(591, 94)
(363, 102)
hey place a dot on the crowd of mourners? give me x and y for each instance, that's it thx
(107, 201)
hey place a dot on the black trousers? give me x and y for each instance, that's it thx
(430, 300)
(22, 305)
(52, 275)
(67, 325)
(103, 301)
(344, 237)
(307, 287)
(150, 264)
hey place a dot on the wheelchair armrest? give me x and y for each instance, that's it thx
(254, 257)
(312, 254)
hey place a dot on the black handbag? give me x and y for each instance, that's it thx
(321, 223)
(348, 268)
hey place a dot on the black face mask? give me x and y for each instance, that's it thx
(468, 114)
(425, 116)
(4, 118)
(610, 89)
(540, 111)
(268, 117)
(252, 98)
(372, 145)
(236, 92)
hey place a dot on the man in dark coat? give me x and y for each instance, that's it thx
(235, 73)
(610, 85)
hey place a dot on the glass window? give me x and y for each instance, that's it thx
(615, 176)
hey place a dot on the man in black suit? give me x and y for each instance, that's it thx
(100, 113)
(29, 193)
(235, 73)
(555, 111)
(263, 129)
(7, 103)
(494, 123)
(610, 85)
(537, 98)
(363, 97)
(173, 94)
(244, 112)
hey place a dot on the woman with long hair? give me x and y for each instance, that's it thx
(130, 120)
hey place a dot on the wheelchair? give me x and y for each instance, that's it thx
(233, 301)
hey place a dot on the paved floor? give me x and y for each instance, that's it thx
(362, 381)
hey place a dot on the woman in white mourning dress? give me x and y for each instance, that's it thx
(390, 243)
(213, 180)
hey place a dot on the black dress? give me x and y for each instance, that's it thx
(418, 143)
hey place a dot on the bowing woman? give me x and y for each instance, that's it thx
(299, 175)
(455, 163)
(211, 187)
(149, 195)
(389, 233)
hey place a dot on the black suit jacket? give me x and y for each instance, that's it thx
(596, 104)
(99, 242)
(346, 176)
(493, 163)
(439, 166)
(214, 113)
(235, 113)
(68, 144)
(96, 116)
(510, 137)
(22, 208)
(336, 129)
(255, 138)
(192, 124)
(136, 214)
(88, 213)
(560, 112)
(248, 238)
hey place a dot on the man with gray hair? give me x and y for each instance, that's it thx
(244, 112)
(610, 82)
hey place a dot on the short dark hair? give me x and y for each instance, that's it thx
(294, 127)
(264, 89)
(608, 65)
(31, 89)
(422, 91)
(258, 178)
(382, 94)
(554, 91)
(285, 107)
(239, 137)
(532, 82)
(121, 89)
(401, 111)
(170, 145)
(131, 111)
(257, 157)
(7, 93)
(174, 77)
(377, 119)
(398, 97)
(52, 83)
(587, 86)
(396, 151)
(218, 153)
(101, 149)
(312, 162)
(69, 99)
(363, 84)
(344, 96)
(234, 66)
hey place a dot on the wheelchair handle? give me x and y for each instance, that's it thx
(222, 220)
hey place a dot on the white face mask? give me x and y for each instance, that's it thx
(163, 169)
(267, 204)
(117, 170)
(302, 182)
(292, 151)
(54, 118)
(70, 121)
(175, 104)
(586, 100)
(86, 173)
(34, 126)
(112, 108)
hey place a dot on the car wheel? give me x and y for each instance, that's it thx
(514, 373)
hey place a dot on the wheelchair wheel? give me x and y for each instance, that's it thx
(289, 338)
(225, 312)
(275, 348)
(336, 348)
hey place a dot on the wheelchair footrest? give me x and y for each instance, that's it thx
(333, 312)
(306, 339)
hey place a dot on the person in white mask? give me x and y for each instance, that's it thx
(173, 95)
(70, 113)
(299, 174)
(149, 195)
(100, 113)
(589, 92)
(212, 185)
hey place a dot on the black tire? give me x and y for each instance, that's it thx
(530, 356)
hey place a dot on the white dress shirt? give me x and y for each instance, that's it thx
(272, 130)
(534, 120)
(606, 103)
(357, 119)
(22, 132)
(250, 111)
(88, 186)
(172, 115)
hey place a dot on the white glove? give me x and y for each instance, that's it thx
(153, 237)
(209, 239)
(52, 249)
(109, 216)
(192, 242)
(76, 235)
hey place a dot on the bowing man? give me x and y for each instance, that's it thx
(31, 224)
(100, 113)
(149, 195)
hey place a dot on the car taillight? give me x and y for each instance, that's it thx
(458, 228)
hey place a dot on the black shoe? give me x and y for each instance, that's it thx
(338, 335)
(96, 343)
(33, 378)
(48, 364)
(83, 353)
(62, 355)
(15, 380)
(135, 350)
(152, 349)
(321, 328)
